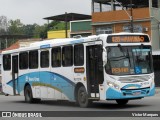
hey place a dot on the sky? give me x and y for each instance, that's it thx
(33, 11)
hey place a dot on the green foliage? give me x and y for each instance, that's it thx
(2, 32)
(38, 30)
(54, 26)
(43, 32)
(29, 30)
(16, 27)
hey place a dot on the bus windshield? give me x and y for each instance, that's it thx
(129, 60)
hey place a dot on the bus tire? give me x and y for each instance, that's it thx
(28, 94)
(82, 97)
(122, 102)
(36, 100)
(6, 94)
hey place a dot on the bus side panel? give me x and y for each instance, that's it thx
(43, 85)
(23, 79)
(33, 79)
(7, 85)
(62, 81)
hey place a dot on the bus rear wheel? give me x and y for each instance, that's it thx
(122, 102)
(28, 95)
(82, 97)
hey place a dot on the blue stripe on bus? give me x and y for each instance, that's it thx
(77, 41)
(45, 46)
(135, 86)
(47, 78)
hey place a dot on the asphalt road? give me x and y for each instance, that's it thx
(16, 103)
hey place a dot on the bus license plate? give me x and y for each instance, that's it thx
(137, 93)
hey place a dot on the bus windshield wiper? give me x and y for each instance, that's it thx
(118, 58)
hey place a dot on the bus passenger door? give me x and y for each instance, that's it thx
(94, 67)
(15, 74)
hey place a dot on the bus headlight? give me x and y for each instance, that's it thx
(111, 84)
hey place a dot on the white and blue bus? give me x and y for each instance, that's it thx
(95, 68)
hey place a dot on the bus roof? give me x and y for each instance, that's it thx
(53, 42)
(65, 41)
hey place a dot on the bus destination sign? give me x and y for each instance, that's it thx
(127, 39)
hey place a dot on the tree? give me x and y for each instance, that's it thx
(15, 27)
(29, 29)
(3, 24)
(53, 25)
(41, 31)
(57, 25)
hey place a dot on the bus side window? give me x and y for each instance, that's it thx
(78, 55)
(23, 60)
(56, 57)
(33, 59)
(7, 62)
(44, 59)
(67, 56)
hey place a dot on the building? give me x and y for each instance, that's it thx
(57, 34)
(112, 16)
(78, 19)
(80, 27)
(77, 27)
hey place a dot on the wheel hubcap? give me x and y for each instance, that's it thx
(27, 95)
(83, 97)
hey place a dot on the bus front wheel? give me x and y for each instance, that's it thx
(122, 102)
(82, 99)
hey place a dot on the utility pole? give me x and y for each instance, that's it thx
(131, 17)
(66, 21)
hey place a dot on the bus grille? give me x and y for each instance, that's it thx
(134, 79)
(142, 91)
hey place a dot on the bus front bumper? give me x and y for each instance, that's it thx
(113, 94)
